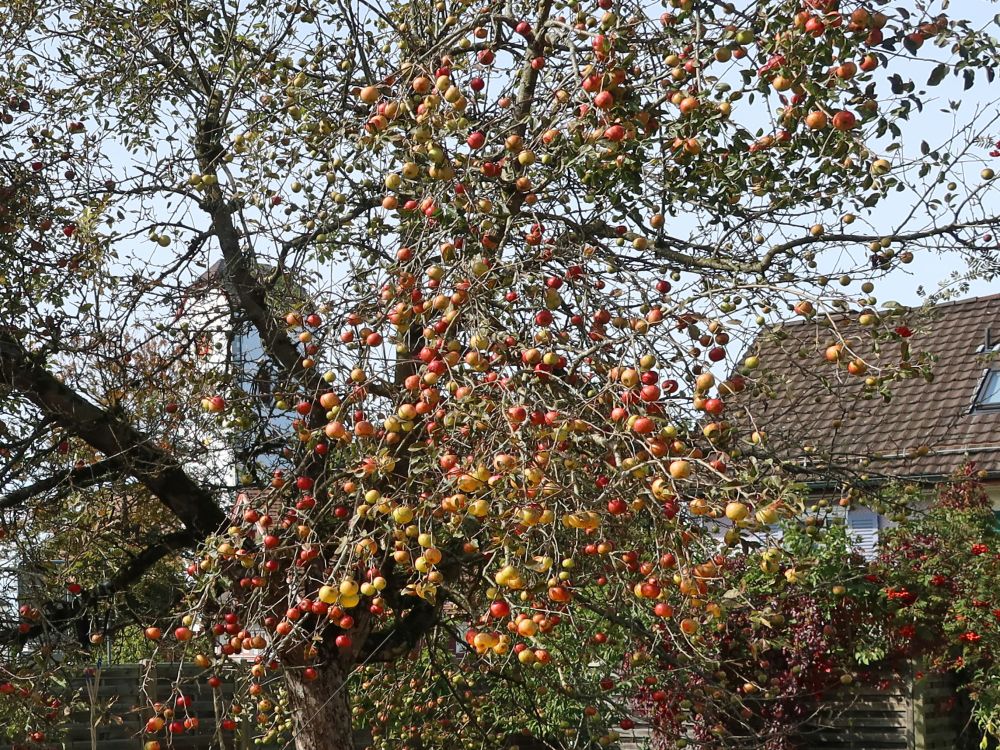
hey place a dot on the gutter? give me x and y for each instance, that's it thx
(922, 478)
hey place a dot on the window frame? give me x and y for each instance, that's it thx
(989, 375)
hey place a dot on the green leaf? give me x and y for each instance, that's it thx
(970, 77)
(938, 74)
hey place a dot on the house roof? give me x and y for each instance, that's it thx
(819, 414)
(213, 274)
(214, 278)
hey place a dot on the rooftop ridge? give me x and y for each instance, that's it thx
(938, 306)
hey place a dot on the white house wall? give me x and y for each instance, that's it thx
(210, 314)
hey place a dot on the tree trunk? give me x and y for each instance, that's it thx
(322, 709)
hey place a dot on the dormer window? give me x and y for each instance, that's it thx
(988, 395)
(991, 345)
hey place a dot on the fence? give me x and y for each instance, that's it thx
(914, 714)
(910, 715)
(116, 703)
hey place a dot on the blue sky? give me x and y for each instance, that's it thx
(936, 125)
(928, 271)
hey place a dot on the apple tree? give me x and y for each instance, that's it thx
(482, 470)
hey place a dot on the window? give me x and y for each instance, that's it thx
(863, 527)
(988, 395)
(990, 345)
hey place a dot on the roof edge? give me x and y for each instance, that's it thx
(950, 303)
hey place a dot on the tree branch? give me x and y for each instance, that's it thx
(136, 452)
(402, 637)
(76, 478)
(238, 266)
(60, 615)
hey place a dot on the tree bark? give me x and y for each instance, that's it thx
(322, 709)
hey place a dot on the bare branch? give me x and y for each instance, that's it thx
(157, 470)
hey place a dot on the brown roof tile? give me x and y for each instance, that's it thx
(818, 404)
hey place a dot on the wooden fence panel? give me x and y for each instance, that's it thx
(116, 703)
(912, 716)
